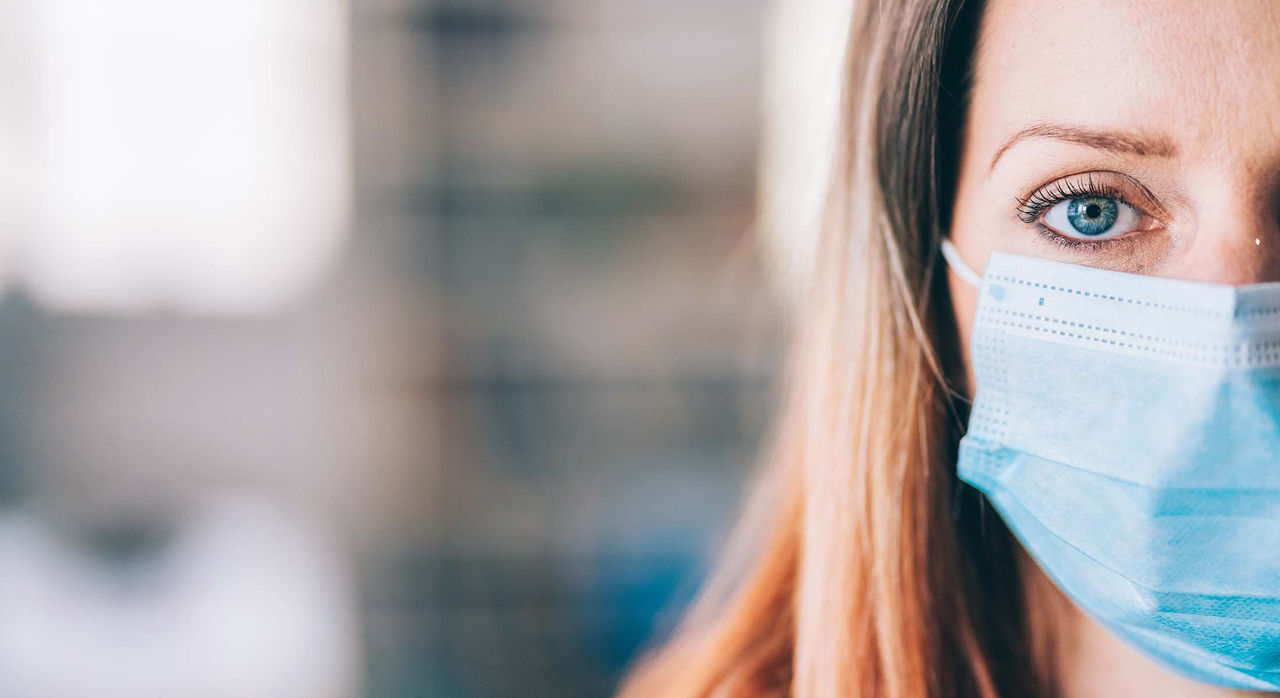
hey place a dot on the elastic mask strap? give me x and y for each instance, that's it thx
(962, 270)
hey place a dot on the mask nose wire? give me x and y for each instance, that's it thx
(957, 264)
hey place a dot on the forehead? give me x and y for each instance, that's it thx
(1205, 73)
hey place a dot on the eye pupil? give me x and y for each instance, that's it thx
(1093, 215)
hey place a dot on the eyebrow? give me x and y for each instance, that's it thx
(1117, 142)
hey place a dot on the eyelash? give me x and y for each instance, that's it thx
(1031, 208)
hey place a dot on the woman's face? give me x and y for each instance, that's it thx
(1140, 136)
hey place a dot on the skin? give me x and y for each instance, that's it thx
(1187, 95)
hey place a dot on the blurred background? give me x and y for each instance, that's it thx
(377, 348)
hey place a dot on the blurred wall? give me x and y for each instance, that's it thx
(507, 423)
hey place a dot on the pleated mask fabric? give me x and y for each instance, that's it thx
(1127, 429)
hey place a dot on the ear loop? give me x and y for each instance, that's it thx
(969, 276)
(957, 264)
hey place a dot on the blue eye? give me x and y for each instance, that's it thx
(1091, 218)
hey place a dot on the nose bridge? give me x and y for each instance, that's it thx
(1239, 245)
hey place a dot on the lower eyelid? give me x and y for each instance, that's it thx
(1048, 236)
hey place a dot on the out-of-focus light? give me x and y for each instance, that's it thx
(243, 599)
(13, 181)
(803, 69)
(189, 156)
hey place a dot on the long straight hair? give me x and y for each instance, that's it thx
(861, 565)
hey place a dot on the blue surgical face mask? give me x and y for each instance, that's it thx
(1127, 429)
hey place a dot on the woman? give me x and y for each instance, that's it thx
(881, 556)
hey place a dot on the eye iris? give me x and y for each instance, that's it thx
(1092, 215)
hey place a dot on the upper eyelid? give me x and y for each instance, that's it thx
(1039, 201)
(1091, 173)
(1148, 199)
(1066, 187)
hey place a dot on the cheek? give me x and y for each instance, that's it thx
(964, 305)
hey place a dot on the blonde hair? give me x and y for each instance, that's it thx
(861, 565)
